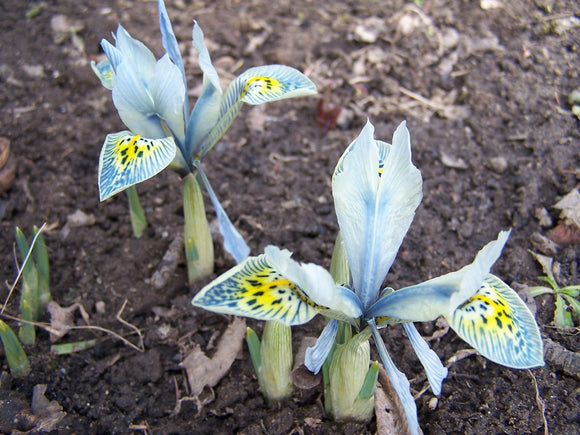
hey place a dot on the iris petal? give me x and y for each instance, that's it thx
(172, 48)
(435, 371)
(206, 111)
(399, 381)
(255, 289)
(442, 295)
(497, 323)
(257, 85)
(127, 159)
(316, 355)
(233, 242)
(376, 190)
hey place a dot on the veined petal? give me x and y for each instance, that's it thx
(267, 83)
(254, 288)
(350, 304)
(434, 369)
(134, 102)
(398, 379)
(442, 295)
(209, 72)
(233, 242)
(172, 48)
(376, 190)
(112, 53)
(316, 355)
(127, 159)
(104, 71)
(497, 323)
(256, 86)
(316, 283)
(135, 53)
(206, 111)
(168, 93)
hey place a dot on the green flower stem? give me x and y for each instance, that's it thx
(351, 387)
(17, 359)
(138, 219)
(275, 371)
(198, 242)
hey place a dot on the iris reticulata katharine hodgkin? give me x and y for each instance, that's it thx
(152, 100)
(376, 190)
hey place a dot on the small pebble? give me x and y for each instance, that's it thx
(543, 217)
(498, 164)
(433, 402)
(100, 307)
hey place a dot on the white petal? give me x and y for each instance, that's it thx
(168, 92)
(376, 190)
(316, 355)
(206, 111)
(435, 371)
(398, 380)
(209, 72)
(135, 53)
(134, 102)
(113, 54)
(442, 295)
(316, 283)
(234, 243)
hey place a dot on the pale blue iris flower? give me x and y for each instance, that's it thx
(151, 97)
(376, 191)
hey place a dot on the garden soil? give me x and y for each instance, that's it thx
(483, 86)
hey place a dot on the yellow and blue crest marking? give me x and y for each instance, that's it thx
(255, 289)
(497, 323)
(128, 159)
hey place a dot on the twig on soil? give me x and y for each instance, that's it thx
(141, 347)
(199, 403)
(540, 403)
(21, 268)
(459, 355)
(448, 111)
(142, 427)
(51, 330)
(562, 358)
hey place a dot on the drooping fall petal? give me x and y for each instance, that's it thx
(127, 159)
(497, 323)
(257, 85)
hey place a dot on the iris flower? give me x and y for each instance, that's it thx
(376, 190)
(151, 97)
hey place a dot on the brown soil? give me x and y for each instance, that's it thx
(495, 142)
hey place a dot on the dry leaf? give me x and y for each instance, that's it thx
(543, 244)
(570, 207)
(62, 319)
(391, 418)
(547, 263)
(303, 378)
(203, 371)
(48, 412)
